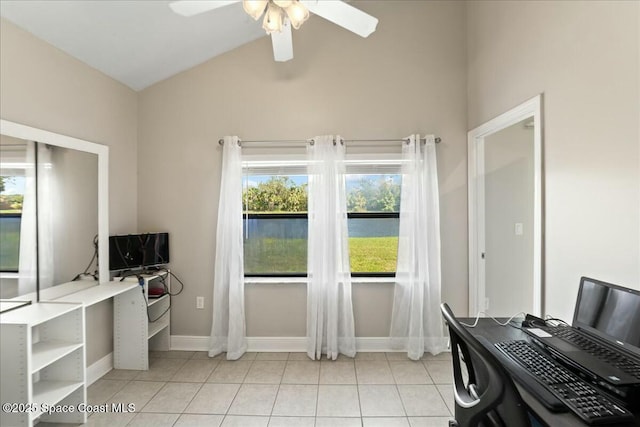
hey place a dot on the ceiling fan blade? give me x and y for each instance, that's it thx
(283, 43)
(344, 15)
(195, 7)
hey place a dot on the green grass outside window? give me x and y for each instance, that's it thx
(272, 256)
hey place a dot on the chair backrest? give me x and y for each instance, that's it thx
(489, 398)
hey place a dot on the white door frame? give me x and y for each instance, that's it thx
(475, 140)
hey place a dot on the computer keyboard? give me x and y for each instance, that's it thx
(596, 349)
(578, 395)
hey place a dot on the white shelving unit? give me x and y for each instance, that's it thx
(141, 323)
(44, 364)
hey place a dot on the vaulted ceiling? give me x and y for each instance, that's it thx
(137, 42)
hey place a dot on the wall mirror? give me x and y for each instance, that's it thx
(17, 227)
(68, 179)
(506, 213)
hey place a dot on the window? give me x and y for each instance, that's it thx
(373, 211)
(275, 223)
(11, 195)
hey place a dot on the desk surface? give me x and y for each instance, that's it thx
(496, 333)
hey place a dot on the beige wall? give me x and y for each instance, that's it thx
(46, 88)
(409, 76)
(584, 57)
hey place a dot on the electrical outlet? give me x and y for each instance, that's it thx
(199, 303)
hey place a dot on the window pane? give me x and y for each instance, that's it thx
(373, 192)
(9, 242)
(373, 241)
(11, 195)
(275, 244)
(373, 244)
(274, 193)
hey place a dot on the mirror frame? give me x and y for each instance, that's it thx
(531, 108)
(29, 133)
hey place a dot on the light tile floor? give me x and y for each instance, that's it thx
(183, 389)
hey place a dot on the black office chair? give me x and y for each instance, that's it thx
(489, 399)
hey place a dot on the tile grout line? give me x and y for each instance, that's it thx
(358, 391)
(226, 414)
(191, 400)
(275, 399)
(315, 417)
(395, 380)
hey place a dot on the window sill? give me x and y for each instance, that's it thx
(303, 280)
(272, 280)
(9, 275)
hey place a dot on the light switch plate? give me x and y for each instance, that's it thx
(518, 229)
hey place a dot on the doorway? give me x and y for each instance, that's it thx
(505, 213)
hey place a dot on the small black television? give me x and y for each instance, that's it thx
(134, 251)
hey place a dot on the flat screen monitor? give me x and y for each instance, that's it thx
(610, 312)
(134, 251)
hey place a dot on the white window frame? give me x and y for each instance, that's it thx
(274, 163)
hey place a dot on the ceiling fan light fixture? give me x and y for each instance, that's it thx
(297, 14)
(254, 8)
(283, 3)
(273, 19)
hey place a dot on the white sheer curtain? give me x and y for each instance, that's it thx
(228, 329)
(330, 326)
(416, 322)
(28, 268)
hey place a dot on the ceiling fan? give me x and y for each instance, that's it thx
(281, 15)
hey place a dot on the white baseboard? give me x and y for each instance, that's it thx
(188, 343)
(97, 369)
(374, 344)
(277, 344)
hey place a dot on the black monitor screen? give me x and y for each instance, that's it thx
(609, 311)
(138, 250)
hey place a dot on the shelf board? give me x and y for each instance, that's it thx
(36, 314)
(52, 392)
(98, 293)
(46, 352)
(153, 301)
(7, 305)
(158, 325)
